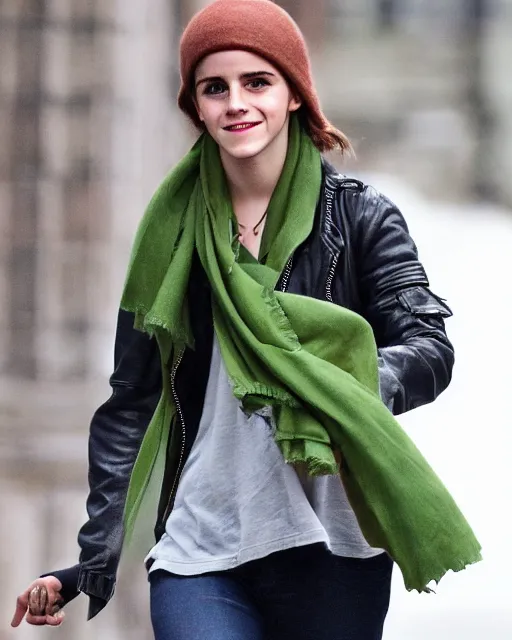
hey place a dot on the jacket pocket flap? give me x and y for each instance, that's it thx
(420, 301)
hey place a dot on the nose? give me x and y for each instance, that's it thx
(236, 102)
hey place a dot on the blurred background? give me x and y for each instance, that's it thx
(89, 126)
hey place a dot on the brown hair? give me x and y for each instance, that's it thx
(327, 137)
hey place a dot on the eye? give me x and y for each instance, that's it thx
(259, 83)
(214, 89)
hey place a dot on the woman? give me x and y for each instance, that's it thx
(267, 393)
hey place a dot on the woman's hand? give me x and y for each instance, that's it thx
(40, 603)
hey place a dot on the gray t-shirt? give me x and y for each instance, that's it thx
(238, 500)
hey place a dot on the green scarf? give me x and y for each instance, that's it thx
(314, 363)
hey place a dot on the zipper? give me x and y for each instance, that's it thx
(286, 274)
(183, 437)
(330, 278)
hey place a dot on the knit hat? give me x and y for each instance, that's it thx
(263, 28)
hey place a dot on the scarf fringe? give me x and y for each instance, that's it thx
(145, 322)
(261, 393)
(458, 564)
(317, 457)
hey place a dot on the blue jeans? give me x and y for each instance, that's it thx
(304, 593)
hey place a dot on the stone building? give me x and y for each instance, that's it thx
(422, 88)
(87, 130)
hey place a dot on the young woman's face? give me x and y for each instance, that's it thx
(244, 102)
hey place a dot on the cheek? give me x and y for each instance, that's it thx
(208, 110)
(276, 104)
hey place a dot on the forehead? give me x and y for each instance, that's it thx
(230, 63)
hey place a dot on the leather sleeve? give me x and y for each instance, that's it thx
(69, 579)
(415, 356)
(116, 433)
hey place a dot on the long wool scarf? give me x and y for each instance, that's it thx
(313, 364)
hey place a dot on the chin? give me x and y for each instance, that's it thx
(245, 151)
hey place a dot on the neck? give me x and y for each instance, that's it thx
(253, 180)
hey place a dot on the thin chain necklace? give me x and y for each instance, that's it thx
(255, 230)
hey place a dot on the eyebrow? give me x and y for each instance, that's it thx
(245, 76)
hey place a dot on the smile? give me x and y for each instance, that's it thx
(242, 126)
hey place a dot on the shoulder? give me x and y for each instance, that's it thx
(358, 203)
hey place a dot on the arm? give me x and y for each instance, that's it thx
(116, 433)
(415, 356)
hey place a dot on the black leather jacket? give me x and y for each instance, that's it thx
(359, 255)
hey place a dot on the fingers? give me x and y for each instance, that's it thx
(52, 621)
(40, 603)
(56, 619)
(35, 620)
(21, 609)
(38, 600)
(55, 608)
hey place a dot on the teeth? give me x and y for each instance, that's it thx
(237, 127)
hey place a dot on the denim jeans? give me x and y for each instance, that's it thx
(304, 593)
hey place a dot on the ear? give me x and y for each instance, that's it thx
(295, 103)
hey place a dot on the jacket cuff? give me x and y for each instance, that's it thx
(69, 580)
(98, 587)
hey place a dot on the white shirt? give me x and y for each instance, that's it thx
(238, 500)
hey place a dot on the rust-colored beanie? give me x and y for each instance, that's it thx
(263, 28)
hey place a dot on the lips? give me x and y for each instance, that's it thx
(241, 126)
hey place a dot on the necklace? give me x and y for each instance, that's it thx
(255, 230)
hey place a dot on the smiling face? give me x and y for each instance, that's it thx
(244, 103)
